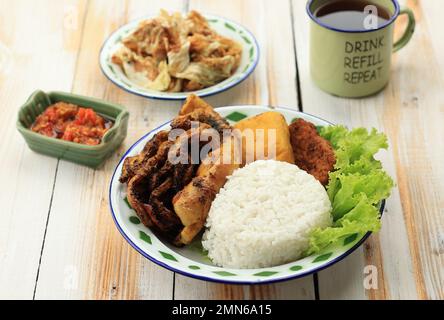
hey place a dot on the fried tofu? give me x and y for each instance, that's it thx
(280, 150)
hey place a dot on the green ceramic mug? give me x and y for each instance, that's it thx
(355, 63)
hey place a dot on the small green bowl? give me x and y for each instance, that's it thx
(91, 156)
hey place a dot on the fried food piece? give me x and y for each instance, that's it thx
(141, 184)
(199, 25)
(170, 198)
(164, 218)
(212, 119)
(132, 165)
(194, 103)
(151, 190)
(266, 121)
(193, 203)
(312, 153)
(196, 109)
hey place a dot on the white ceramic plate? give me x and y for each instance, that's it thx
(223, 26)
(191, 261)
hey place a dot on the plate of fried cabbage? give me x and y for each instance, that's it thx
(171, 55)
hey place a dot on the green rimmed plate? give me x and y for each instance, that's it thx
(191, 261)
(223, 26)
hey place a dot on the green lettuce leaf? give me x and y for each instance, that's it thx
(334, 134)
(362, 166)
(365, 214)
(356, 187)
(350, 146)
(362, 219)
(375, 185)
(359, 144)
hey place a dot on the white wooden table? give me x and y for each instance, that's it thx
(57, 237)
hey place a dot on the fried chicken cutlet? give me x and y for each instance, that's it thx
(312, 153)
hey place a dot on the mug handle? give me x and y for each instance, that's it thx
(408, 33)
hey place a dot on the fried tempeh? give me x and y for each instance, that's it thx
(312, 153)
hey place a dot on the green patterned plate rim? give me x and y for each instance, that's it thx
(191, 261)
(223, 26)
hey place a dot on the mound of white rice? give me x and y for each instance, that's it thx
(263, 216)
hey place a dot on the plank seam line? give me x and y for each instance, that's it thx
(297, 78)
(186, 6)
(82, 32)
(46, 229)
(174, 286)
(316, 286)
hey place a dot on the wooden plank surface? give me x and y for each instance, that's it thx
(57, 238)
(84, 255)
(406, 252)
(420, 114)
(29, 178)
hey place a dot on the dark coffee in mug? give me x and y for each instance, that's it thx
(347, 59)
(353, 15)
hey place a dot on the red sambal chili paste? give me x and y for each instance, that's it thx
(72, 123)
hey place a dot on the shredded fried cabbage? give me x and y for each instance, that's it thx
(175, 53)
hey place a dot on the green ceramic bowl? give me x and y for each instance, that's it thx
(91, 156)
